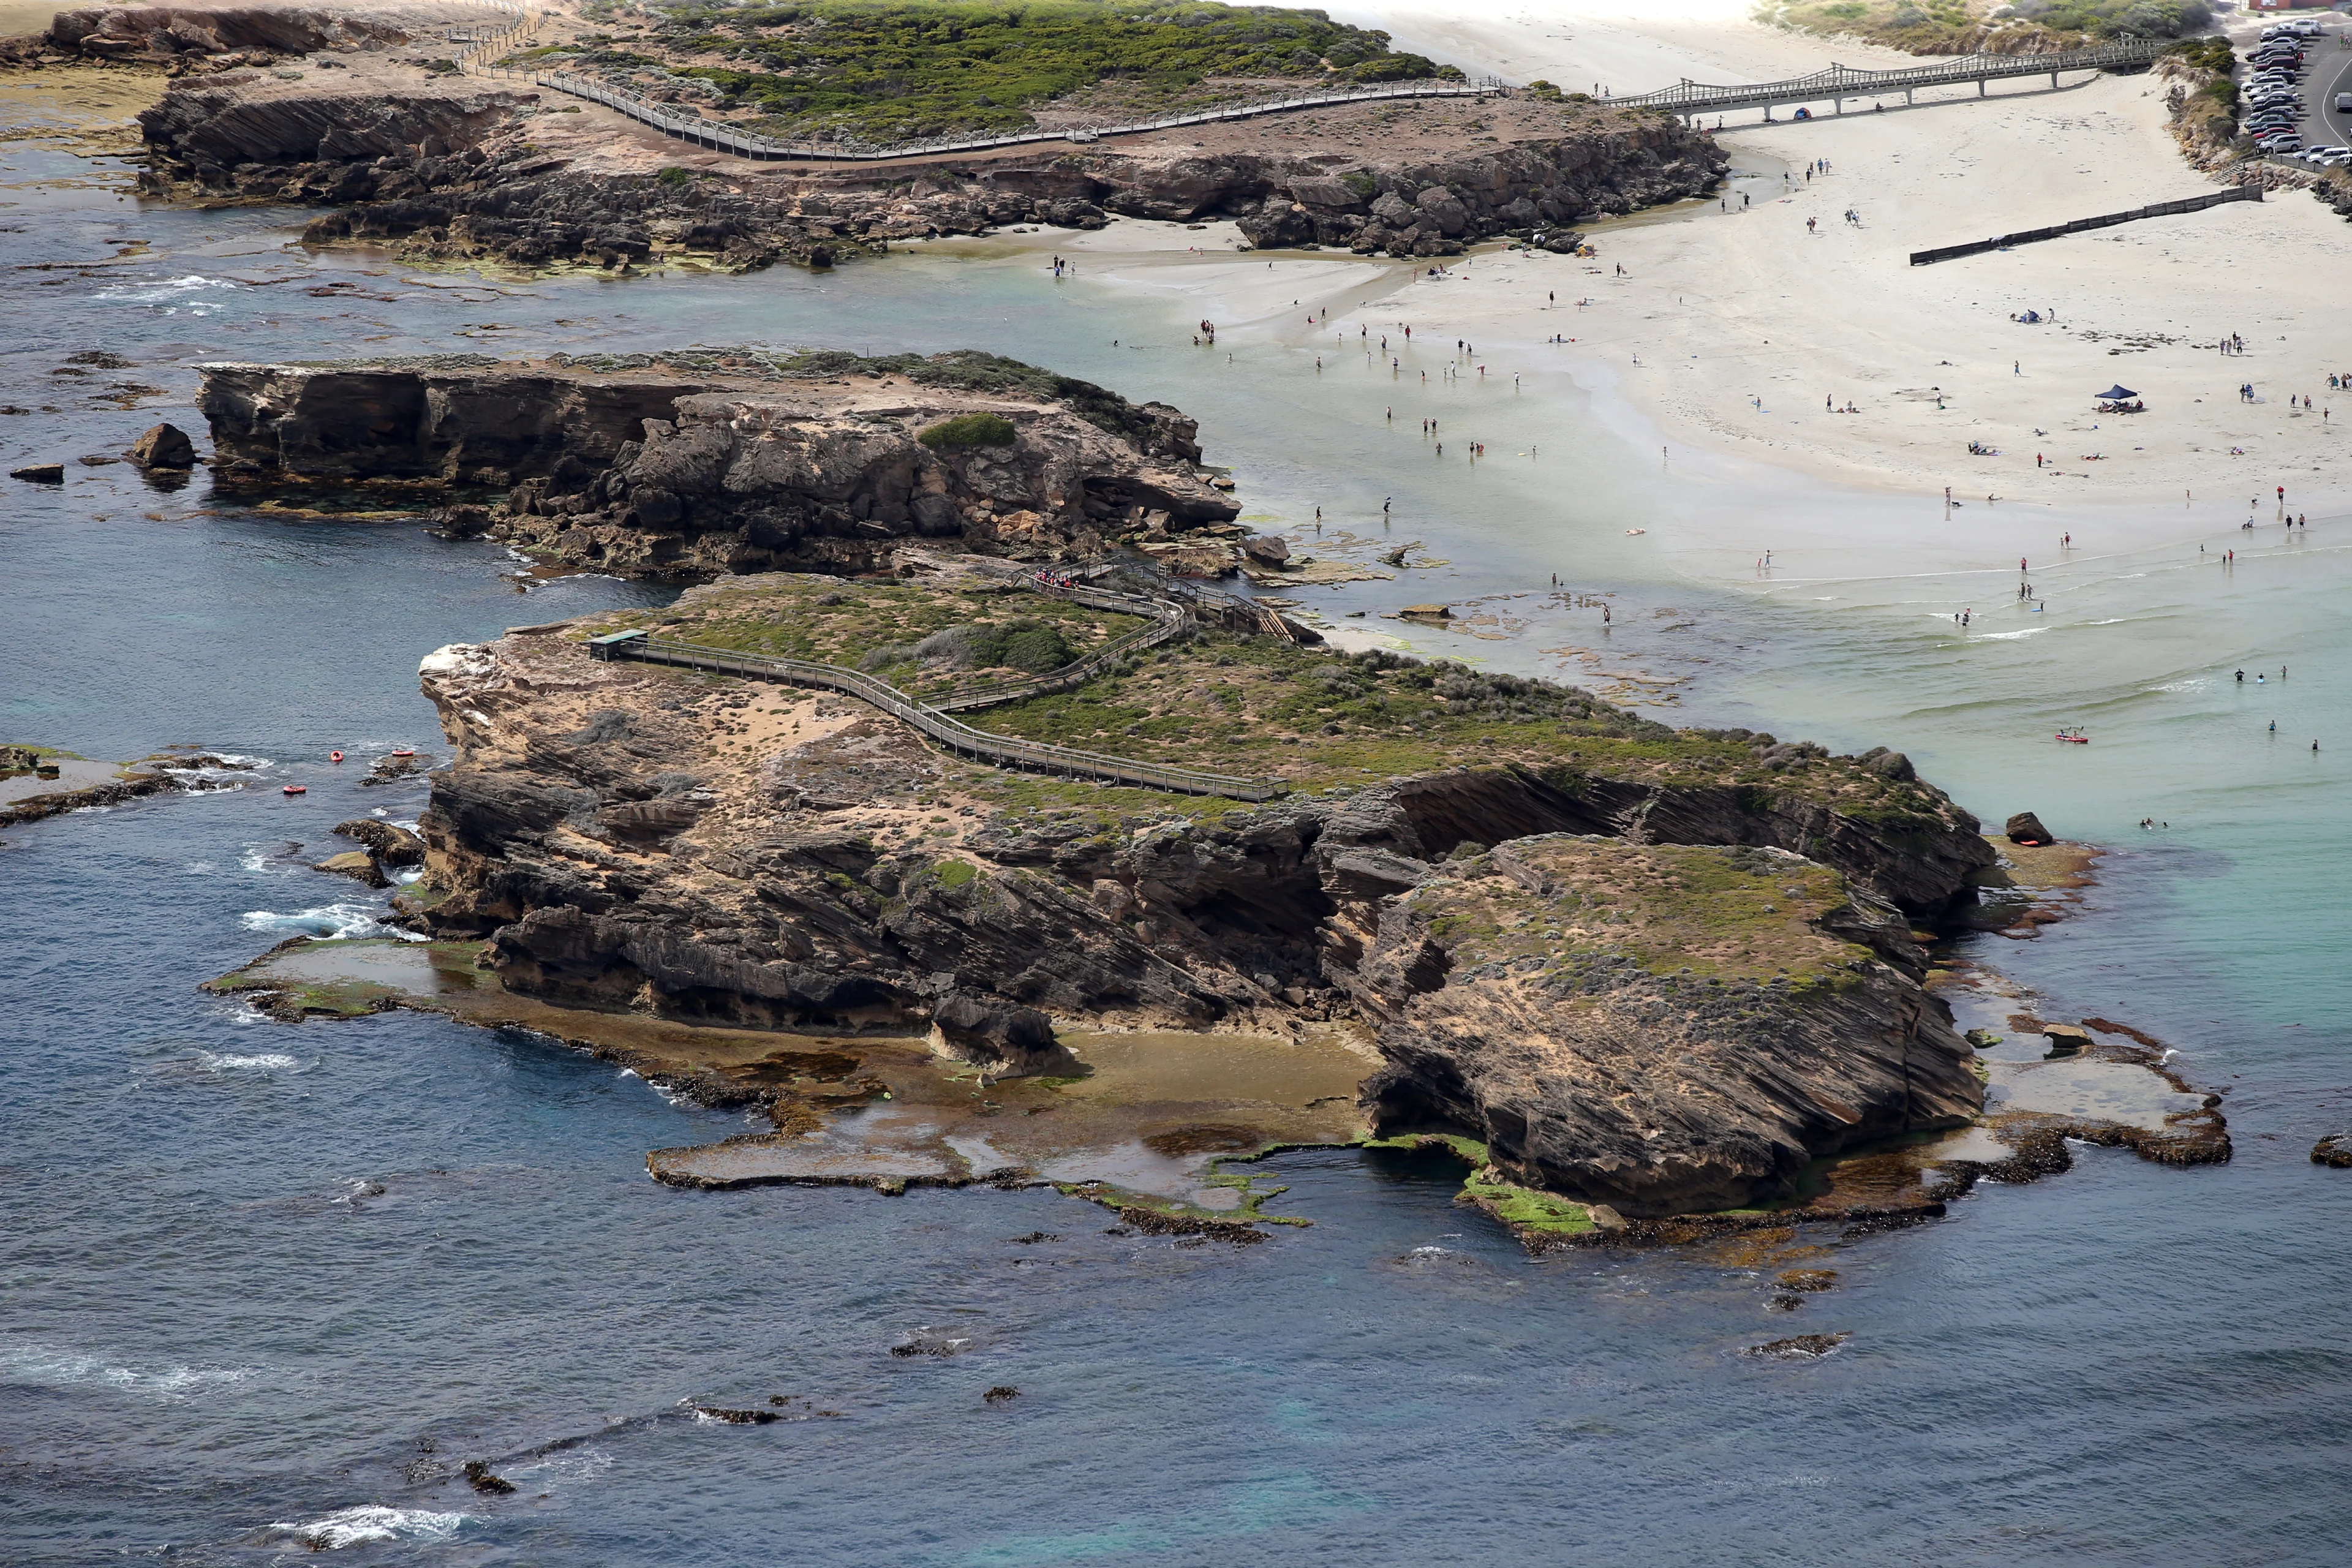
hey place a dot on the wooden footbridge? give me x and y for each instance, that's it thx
(1839, 83)
(1168, 619)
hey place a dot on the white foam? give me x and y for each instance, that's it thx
(48, 1366)
(170, 296)
(2007, 637)
(570, 1465)
(373, 1522)
(334, 921)
(271, 1062)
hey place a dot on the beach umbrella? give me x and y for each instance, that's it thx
(2113, 393)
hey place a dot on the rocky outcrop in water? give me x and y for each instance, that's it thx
(186, 37)
(457, 169)
(164, 447)
(1659, 995)
(1658, 1028)
(730, 461)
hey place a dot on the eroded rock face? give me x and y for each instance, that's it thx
(665, 470)
(217, 125)
(449, 169)
(1654, 1026)
(170, 34)
(164, 447)
(1660, 1028)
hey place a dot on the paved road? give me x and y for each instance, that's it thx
(2330, 73)
(2328, 70)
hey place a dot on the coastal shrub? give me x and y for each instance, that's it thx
(1958, 27)
(890, 70)
(2207, 54)
(2119, 19)
(1030, 645)
(966, 431)
(675, 176)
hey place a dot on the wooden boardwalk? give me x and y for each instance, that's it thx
(936, 720)
(1838, 83)
(488, 42)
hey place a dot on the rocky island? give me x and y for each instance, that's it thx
(1630, 972)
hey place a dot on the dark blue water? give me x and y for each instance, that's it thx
(269, 1286)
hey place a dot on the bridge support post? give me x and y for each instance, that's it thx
(1840, 102)
(1907, 98)
(1980, 87)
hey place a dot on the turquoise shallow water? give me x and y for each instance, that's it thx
(261, 1281)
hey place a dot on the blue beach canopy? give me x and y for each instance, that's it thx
(2115, 391)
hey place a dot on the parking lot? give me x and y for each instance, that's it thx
(2309, 114)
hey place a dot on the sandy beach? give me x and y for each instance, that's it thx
(1734, 331)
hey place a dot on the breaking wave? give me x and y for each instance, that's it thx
(333, 921)
(370, 1523)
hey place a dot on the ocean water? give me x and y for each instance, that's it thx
(268, 1287)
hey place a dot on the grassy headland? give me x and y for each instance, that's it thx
(884, 71)
(1251, 705)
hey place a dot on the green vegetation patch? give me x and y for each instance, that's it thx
(928, 641)
(966, 431)
(892, 70)
(1309, 719)
(1526, 1209)
(1966, 27)
(1468, 1150)
(1707, 915)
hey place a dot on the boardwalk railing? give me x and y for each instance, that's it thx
(955, 735)
(721, 137)
(1168, 621)
(1841, 82)
(2081, 225)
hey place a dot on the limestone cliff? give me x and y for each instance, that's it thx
(451, 168)
(1621, 1017)
(1659, 1028)
(730, 460)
